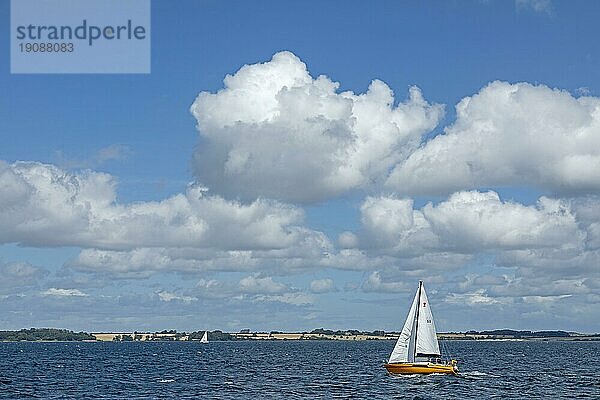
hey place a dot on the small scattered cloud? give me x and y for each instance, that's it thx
(114, 152)
(478, 297)
(168, 296)
(374, 283)
(538, 6)
(251, 284)
(545, 299)
(253, 289)
(298, 299)
(319, 286)
(64, 292)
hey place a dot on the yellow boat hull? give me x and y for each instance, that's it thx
(421, 369)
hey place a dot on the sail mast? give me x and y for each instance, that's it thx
(417, 320)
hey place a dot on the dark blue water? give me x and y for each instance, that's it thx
(292, 370)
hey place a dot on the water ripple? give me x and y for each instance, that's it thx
(292, 370)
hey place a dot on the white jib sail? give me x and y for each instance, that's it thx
(204, 337)
(427, 343)
(404, 349)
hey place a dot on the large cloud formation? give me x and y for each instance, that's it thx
(540, 259)
(467, 222)
(276, 132)
(510, 135)
(42, 205)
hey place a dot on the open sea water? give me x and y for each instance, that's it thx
(293, 370)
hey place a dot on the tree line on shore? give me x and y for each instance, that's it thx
(44, 334)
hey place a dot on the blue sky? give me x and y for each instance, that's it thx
(291, 242)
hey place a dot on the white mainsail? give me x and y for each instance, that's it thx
(427, 343)
(405, 344)
(418, 337)
(204, 338)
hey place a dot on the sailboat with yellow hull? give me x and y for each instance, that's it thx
(417, 350)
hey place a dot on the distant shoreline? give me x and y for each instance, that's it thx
(62, 335)
(262, 336)
(348, 339)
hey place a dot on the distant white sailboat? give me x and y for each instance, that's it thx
(417, 350)
(204, 337)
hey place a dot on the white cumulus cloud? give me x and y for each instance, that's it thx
(469, 222)
(475, 220)
(275, 131)
(507, 135)
(42, 205)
